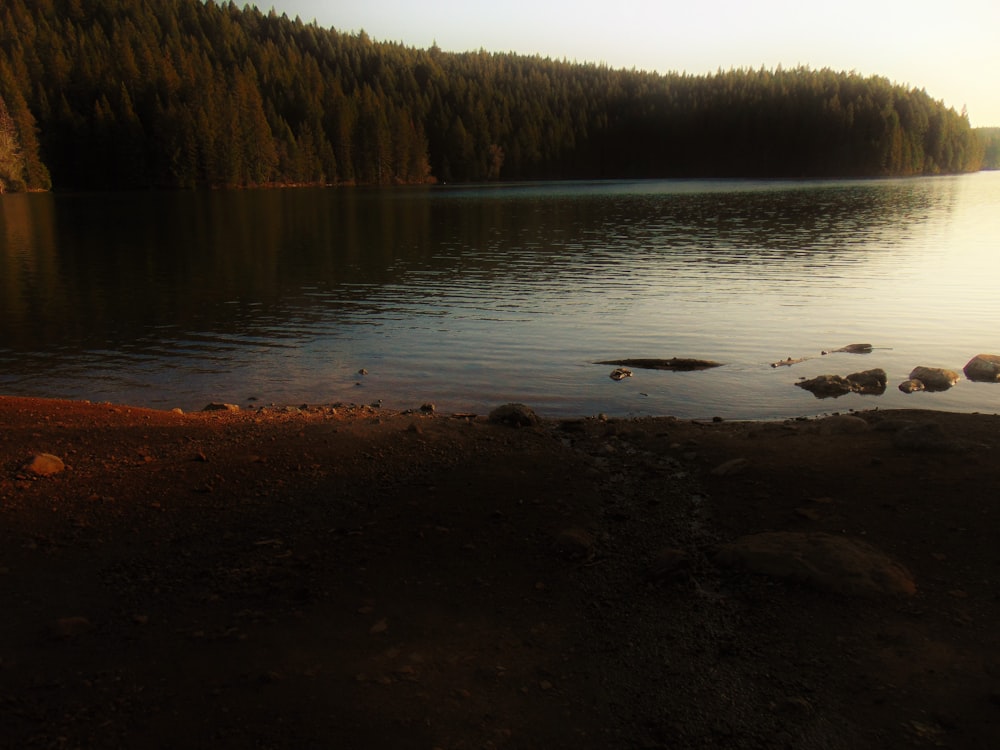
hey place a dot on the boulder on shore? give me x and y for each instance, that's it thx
(828, 562)
(515, 415)
(984, 368)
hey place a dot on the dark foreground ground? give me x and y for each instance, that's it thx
(356, 579)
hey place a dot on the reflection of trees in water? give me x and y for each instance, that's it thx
(100, 270)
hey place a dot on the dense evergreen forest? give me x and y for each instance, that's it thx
(184, 93)
(990, 138)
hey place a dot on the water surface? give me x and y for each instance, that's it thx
(472, 296)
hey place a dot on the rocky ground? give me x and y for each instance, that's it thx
(352, 578)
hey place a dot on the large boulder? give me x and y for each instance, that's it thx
(934, 378)
(984, 368)
(825, 561)
(515, 415)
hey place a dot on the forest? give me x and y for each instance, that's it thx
(122, 94)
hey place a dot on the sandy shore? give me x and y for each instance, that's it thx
(348, 577)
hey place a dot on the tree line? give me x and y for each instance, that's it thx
(185, 93)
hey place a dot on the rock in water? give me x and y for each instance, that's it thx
(934, 378)
(984, 368)
(516, 415)
(826, 386)
(869, 382)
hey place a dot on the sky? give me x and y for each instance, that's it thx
(950, 49)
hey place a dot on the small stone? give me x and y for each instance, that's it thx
(379, 627)
(427, 408)
(45, 465)
(911, 386)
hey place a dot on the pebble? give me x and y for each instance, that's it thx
(45, 465)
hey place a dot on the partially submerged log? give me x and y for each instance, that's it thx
(853, 349)
(674, 363)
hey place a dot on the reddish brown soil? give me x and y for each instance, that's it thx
(359, 579)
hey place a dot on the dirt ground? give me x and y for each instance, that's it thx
(353, 578)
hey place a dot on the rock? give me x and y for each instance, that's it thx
(825, 561)
(826, 386)
(984, 368)
(515, 415)
(620, 373)
(731, 467)
(868, 382)
(215, 406)
(934, 378)
(925, 436)
(427, 408)
(45, 465)
(911, 386)
(842, 424)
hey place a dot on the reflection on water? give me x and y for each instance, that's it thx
(469, 296)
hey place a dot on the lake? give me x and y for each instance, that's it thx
(472, 296)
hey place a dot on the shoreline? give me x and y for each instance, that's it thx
(370, 578)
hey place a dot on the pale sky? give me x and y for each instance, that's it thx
(951, 49)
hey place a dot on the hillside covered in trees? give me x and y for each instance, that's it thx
(184, 93)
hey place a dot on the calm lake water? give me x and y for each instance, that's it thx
(469, 297)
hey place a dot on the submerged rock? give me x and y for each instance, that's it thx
(984, 368)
